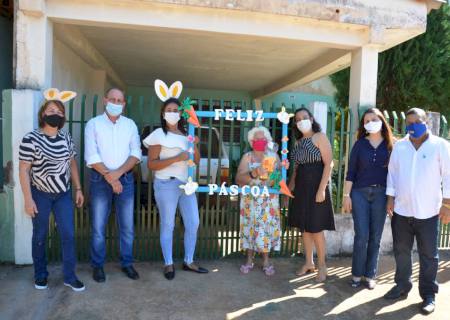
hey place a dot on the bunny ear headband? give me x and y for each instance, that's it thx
(164, 93)
(55, 94)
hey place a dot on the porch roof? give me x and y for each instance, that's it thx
(258, 46)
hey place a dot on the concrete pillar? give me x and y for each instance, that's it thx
(257, 103)
(363, 80)
(319, 109)
(34, 46)
(21, 107)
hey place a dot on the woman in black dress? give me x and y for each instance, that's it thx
(311, 210)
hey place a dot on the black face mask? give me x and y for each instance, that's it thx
(54, 120)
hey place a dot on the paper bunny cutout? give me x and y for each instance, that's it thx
(55, 94)
(164, 93)
(283, 116)
(190, 187)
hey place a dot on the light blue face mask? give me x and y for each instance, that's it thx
(114, 109)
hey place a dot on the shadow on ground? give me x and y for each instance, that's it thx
(222, 294)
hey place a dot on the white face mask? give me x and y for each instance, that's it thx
(373, 126)
(113, 109)
(304, 125)
(172, 117)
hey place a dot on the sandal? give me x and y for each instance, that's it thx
(322, 274)
(269, 270)
(370, 283)
(246, 268)
(305, 270)
(355, 283)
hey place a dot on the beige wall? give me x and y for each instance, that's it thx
(322, 86)
(70, 72)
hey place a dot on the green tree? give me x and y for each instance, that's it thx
(415, 73)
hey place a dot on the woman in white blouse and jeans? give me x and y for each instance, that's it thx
(167, 157)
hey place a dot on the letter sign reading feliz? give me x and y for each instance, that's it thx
(279, 185)
(230, 114)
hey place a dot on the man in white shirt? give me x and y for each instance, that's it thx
(112, 150)
(418, 189)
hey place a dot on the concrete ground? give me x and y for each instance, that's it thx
(222, 294)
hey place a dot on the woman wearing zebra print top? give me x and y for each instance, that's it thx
(46, 165)
(311, 210)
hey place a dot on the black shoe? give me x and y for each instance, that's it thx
(76, 285)
(197, 270)
(427, 306)
(130, 272)
(397, 292)
(99, 275)
(41, 284)
(169, 274)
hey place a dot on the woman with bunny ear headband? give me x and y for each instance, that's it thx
(168, 156)
(47, 163)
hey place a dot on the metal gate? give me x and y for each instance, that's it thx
(218, 234)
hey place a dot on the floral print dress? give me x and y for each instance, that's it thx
(260, 219)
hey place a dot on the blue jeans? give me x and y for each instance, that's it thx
(404, 229)
(101, 198)
(369, 216)
(169, 196)
(62, 206)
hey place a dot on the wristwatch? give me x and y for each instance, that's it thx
(446, 205)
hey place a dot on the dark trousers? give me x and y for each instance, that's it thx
(404, 229)
(62, 206)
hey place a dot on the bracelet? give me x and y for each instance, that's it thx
(78, 189)
(446, 205)
(251, 175)
(346, 195)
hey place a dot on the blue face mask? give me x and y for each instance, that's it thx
(114, 109)
(416, 130)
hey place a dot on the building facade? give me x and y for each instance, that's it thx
(252, 51)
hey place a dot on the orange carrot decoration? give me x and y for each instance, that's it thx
(189, 111)
(193, 117)
(284, 189)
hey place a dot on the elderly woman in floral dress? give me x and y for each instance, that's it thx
(259, 216)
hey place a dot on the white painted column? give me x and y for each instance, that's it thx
(33, 36)
(319, 109)
(23, 109)
(363, 80)
(34, 46)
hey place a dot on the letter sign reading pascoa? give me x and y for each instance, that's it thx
(192, 186)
